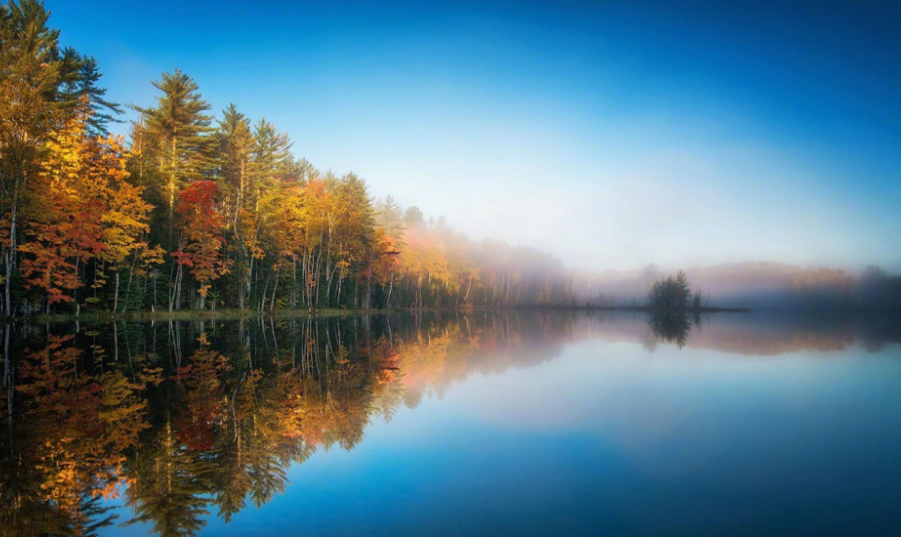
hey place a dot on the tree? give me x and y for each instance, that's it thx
(125, 222)
(413, 217)
(390, 216)
(201, 240)
(289, 236)
(353, 227)
(383, 265)
(178, 127)
(670, 292)
(271, 156)
(235, 143)
(681, 291)
(91, 98)
(29, 76)
(63, 228)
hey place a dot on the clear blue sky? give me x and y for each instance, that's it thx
(612, 134)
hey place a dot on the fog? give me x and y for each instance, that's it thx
(643, 201)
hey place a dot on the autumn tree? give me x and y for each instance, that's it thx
(289, 237)
(200, 239)
(82, 212)
(382, 267)
(29, 76)
(351, 231)
(271, 166)
(63, 227)
(125, 222)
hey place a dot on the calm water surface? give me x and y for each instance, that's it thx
(500, 423)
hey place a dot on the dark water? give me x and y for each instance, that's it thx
(503, 423)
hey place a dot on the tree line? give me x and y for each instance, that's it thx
(202, 211)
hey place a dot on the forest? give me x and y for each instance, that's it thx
(202, 211)
(199, 211)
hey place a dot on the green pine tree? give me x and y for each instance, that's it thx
(179, 129)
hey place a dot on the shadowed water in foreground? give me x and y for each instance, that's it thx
(486, 423)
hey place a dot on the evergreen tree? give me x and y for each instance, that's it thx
(413, 217)
(670, 292)
(235, 143)
(70, 62)
(271, 156)
(99, 110)
(79, 92)
(178, 128)
(681, 291)
(390, 216)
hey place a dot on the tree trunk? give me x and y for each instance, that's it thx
(274, 289)
(390, 290)
(367, 302)
(116, 294)
(172, 196)
(294, 277)
(338, 298)
(177, 290)
(11, 252)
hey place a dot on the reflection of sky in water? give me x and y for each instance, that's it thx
(611, 438)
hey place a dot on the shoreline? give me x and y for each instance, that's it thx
(235, 314)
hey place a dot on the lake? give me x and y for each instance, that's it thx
(483, 423)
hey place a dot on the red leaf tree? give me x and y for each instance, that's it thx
(201, 240)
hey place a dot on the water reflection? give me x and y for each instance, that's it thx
(673, 326)
(191, 420)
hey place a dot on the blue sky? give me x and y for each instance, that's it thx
(612, 134)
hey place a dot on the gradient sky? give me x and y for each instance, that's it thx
(612, 134)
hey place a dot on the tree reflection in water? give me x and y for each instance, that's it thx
(673, 326)
(191, 419)
(196, 419)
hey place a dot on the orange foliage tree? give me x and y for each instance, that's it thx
(82, 211)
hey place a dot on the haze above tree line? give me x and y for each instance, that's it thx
(203, 211)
